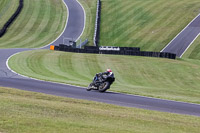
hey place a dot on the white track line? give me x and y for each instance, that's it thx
(66, 23)
(155, 98)
(189, 45)
(32, 77)
(85, 87)
(84, 20)
(179, 33)
(48, 45)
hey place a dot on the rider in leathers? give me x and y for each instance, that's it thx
(108, 73)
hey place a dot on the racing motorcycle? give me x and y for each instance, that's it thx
(101, 83)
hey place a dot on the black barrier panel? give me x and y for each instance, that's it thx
(116, 52)
(172, 56)
(102, 52)
(155, 54)
(71, 50)
(12, 18)
(144, 53)
(62, 47)
(148, 54)
(126, 52)
(92, 51)
(166, 55)
(162, 55)
(121, 52)
(56, 47)
(106, 52)
(129, 48)
(91, 48)
(82, 51)
(76, 50)
(134, 53)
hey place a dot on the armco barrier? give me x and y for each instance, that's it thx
(130, 48)
(91, 48)
(56, 47)
(97, 23)
(126, 51)
(12, 18)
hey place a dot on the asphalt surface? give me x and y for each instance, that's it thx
(108, 97)
(13, 80)
(75, 23)
(184, 39)
(4, 55)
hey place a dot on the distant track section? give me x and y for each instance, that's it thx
(75, 23)
(185, 38)
(13, 17)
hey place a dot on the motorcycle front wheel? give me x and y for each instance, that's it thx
(89, 88)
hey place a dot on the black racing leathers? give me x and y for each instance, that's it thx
(108, 74)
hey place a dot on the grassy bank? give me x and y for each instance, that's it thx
(22, 111)
(90, 10)
(39, 23)
(149, 24)
(7, 9)
(161, 78)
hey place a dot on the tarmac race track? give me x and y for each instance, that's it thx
(184, 39)
(108, 97)
(74, 29)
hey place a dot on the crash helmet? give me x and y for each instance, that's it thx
(109, 70)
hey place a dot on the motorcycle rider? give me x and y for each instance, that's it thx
(102, 80)
(108, 73)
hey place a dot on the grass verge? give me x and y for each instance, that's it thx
(7, 9)
(39, 23)
(90, 10)
(22, 111)
(155, 77)
(148, 24)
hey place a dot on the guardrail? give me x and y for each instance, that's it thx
(12, 18)
(97, 23)
(132, 51)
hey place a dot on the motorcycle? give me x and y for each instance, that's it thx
(100, 83)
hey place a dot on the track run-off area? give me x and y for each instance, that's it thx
(74, 28)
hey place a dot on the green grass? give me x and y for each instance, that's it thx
(90, 10)
(39, 23)
(155, 77)
(194, 50)
(7, 9)
(149, 24)
(23, 112)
